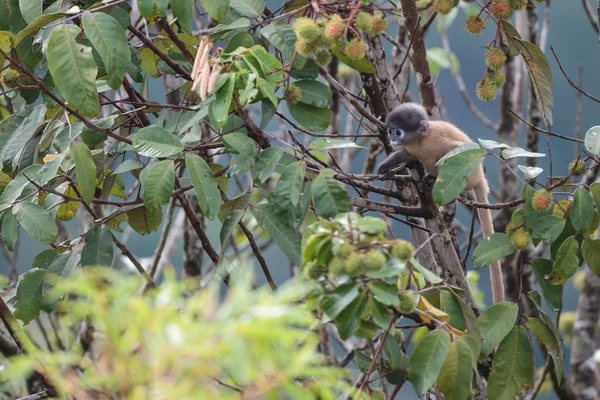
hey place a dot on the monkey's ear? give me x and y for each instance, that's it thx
(423, 128)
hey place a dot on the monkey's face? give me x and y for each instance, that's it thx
(406, 123)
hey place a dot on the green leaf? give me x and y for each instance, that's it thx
(492, 249)
(541, 77)
(530, 172)
(427, 360)
(380, 313)
(228, 224)
(548, 228)
(37, 222)
(290, 183)
(314, 93)
(326, 143)
(455, 378)
(519, 152)
(311, 117)
(39, 22)
(582, 210)
(144, 220)
(73, 69)
(156, 141)
(62, 267)
(281, 35)
(240, 143)
(361, 65)
(28, 299)
(342, 297)
(552, 293)
(512, 368)
(205, 185)
(128, 165)
(329, 195)
(384, 293)
(452, 178)
(449, 304)
(249, 8)
(85, 169)
(158, 183)
(495, 323)
(226, 30)
(363, 361)
(547, 339)
(109, 39)
(349, 319)
(591, 254)
(371, 225)
(285, 237)
(149, 62)
(98, 248)
(231, 205)
(30, 9)
(456, 151)
(427, 274)
(565, 263)
(217, 9)
(592, 144)
(183, 10)
(242, 39)
(13, 149)
(9, 230)
(219, 108)
(266, 163)
(269, 64)
(146, 8)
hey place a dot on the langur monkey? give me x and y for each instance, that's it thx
(428, 141)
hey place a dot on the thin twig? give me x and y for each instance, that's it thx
(571, 82)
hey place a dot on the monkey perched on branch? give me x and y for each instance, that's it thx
(428, 141)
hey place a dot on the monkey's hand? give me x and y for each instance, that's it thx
(392, 161)
(427, 182)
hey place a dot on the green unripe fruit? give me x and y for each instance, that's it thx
(353, 264)
(577, 167)
(307, 29)
(314, 271)
(485, 91)
(374, 260)
(292, 93)
(495, 58)
(377, 394)
(305, 48)
(510, 229)
(402, 250)
(345, 250)
(399, 336)
(408, 301)
(364, 21)
(379, 25)
(541, 200)
(496, 78)
(516, 5)
(520, 239)
(10, 78)
(323, 58)
(335, 28)
(355, 49)
(475, 25)
(337, 266)
(444, 6)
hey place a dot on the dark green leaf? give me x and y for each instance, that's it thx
(183, 10)
(348, 320)
(380, 313)
(144, 220)
(205, 185)
(495, 323)
(249, 8)
(342, 297)
(591, 254)
(552, 293)
(266, 162)
(158, 183)
(98, 248)
(329, 195)
(36, 221)
(28, 300)
(582, 210)
(156, 141)
(285, 237)
(85, 169)
(314, 93)
(311, 117)
(547, 339)
(548, 228)
(452, 178)
(455, 378)
(384, 293)
(290, 185)
(240, 143)
(9, 230)
(566, 262)
(540, 75)
(217, 9)
(492, 249)
(281, 35)
(427, 360)
(449, 305)
(219, 108)
(30, 9)
(228, 224)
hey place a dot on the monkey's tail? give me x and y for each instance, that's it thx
(487, 225)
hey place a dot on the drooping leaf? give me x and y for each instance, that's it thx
(85, 169)
(349, 319)
(512, 368)
(455, 378)
(266, 163)
(73, 69)
(249, 8)
(62, 267)
(240, 143)
(30, 9)
(98, 247)
(109, 39)
(329, 195)
(156, 141)
(183, 10)
(219, 108)
(427, 360)
(271, 67)
(217, 9)
(149, 62)
(311, 117)
(205, 185)
(540, 75)
(314, 93)
(361, 65)
(492, 249)
(226, 30)
(28, 300)
(9, 230)
(565, 263)
(285, 237)
(36, 221)
(582, 210)
(384, 293)
(495, 323)
(128, 165)
(548, 228)
(380, 313)
(11, 153)
(452, 178)
(41, 21)
(158, 183)
(552, 293)
(547, 339)
(291, 182)
(591, 254)
(144, 220)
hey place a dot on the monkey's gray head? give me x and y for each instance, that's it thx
(406, 123)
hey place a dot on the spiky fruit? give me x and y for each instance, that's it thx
(10, 78)
(323, 58)
(379, 25)
(292, 93)
(510, 229)
(475, 25)
(567, 322)
(541, 200)
(373, 260)
(345, 250)
(353, 264)
(335, 27)
(577, 167)
(444, 6)
(408, 301)
(520, 239)
(364, 21)
(516, 5)
(355, 49)
(399, 336)
(307, 29)
(337, 266)
(495, 58)
(313, 270)
(496, 78)
(402, 250)
(305, 48)
(485, 91)
(500, 8)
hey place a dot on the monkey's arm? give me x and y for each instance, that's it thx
(394, 159)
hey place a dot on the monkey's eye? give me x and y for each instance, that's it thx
(397, 132)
